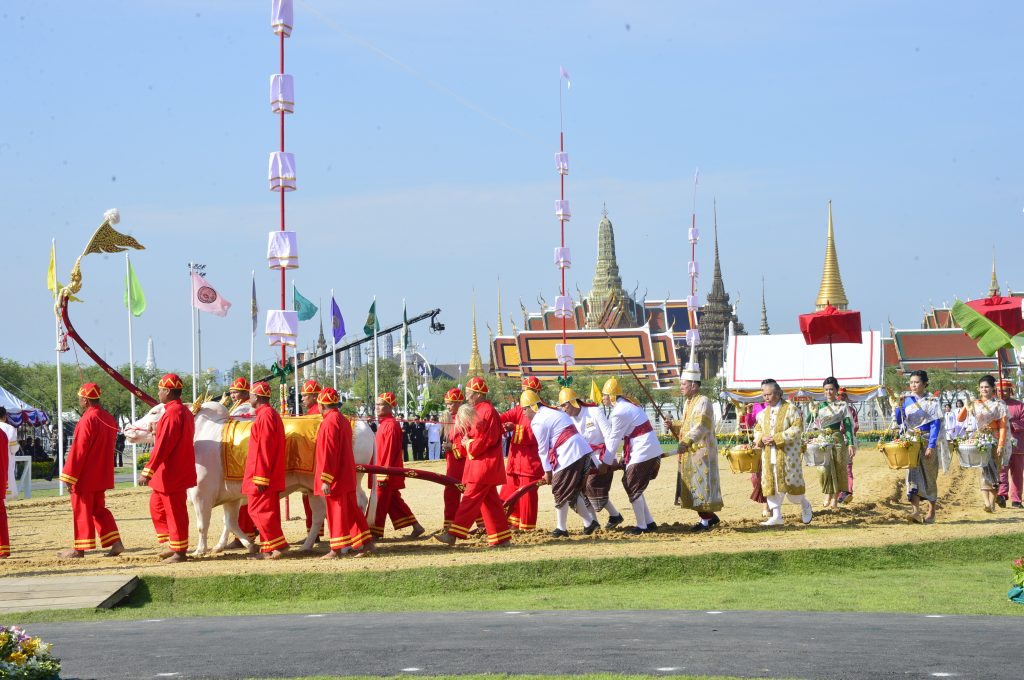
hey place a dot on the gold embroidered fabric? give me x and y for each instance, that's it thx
(299, 445)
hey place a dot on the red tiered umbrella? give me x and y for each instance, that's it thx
(1004, 312)
(830, 326)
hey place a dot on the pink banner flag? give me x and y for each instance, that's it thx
(206, 298)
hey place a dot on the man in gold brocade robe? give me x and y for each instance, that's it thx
(699, 487)
(777, 433)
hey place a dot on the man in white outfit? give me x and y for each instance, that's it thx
(433, 438)
(566, 458)
(630, 428)
(777, 433)
(593, 425)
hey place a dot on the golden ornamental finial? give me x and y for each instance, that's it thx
(831, 290)
(993, 287)
(476, 364)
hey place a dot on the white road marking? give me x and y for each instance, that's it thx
(943, 675)
(513, 612)
(314, 616)
(667, 669)
(934, 616)
(411, 670)
(167, 675)
(712, 612)
(152, 620)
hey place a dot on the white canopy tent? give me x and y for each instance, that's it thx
(801, 368)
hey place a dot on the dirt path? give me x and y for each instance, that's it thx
(875, 516)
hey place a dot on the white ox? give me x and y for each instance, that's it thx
(212, 489)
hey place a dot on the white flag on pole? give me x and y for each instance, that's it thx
(205, 297)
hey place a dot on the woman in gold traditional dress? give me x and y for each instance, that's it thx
(834, 415)
(990, 412)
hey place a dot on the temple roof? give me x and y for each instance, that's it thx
(938, 348)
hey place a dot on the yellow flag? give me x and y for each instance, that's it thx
(595, 392)
(51, 273)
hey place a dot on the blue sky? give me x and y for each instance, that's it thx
(424, 137)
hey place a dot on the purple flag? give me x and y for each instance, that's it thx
(337, 322)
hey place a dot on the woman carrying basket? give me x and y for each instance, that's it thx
(990, 412)
(918, 410)
(834, 415)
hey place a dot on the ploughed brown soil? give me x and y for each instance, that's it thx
(875, 516)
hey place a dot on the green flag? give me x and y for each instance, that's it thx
(372, 325)
(134, 300)
(405, 327)
(305, 308)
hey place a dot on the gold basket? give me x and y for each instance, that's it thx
(901, 455)
(743, 458)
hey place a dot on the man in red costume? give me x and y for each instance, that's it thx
(1012, 474)
(483, 474)
(336, 473)
(389, 489)
(310, 391)
(263, 480)
(171, 470)
(241, 408)
(523, 466)
(89, 472)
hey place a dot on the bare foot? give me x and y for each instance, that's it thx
(234, 545)
(116, 548)
(274, 555)
(365, 552)
(445, 538)
(417, 530)
(174, 558)
(71, 553)
(165, 553)
(332, 555)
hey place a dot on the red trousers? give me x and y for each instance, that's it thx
(92, 517)
(1011, 476)
(524, 512)
(483, 498)
(170, 519)
(309, 515)
(391, 504)
(265, 510)
(5, 538)
(346, 521)
(245, 522)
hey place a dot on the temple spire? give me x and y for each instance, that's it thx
(607, 286)
(764, 312)
(476, 365)
(831, 291)
(993, 288)
(500, 329)
(717, 285)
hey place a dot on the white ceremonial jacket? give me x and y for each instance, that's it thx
(547, 426)
(625, 418)
(594, 427)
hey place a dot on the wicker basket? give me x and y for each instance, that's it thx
(972, 455)
(901, 455)
(744, 459)
(816, 455)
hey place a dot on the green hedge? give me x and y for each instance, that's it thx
(41, 470)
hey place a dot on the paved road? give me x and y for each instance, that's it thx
(748, 644)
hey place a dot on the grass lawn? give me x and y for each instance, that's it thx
(52, 493)
(965, 576)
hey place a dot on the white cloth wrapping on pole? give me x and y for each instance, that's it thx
(282, 327)
(131, 369)
(282, 93)
(281, 17)
(283, 250)
(60, 390)
(282, 171)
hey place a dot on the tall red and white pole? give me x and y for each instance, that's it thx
(564, 307)
(692, 334)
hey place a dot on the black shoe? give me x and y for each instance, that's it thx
(614, 521)
(591, 528)
(1017, 505)
(715, 520)
(700, 526)
(634, 531)
(558, 533)
(651, 528)
(1001, 501)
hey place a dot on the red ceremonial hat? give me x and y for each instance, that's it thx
(454, 395)
(171, 381)
(240, 384)
(1004, 385)
(328, 396)
(388, 398)
(89, 391)
(476, 384)
(261, 389)
(310, 387)
(531, 382)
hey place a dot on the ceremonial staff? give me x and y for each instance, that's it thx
(635, 376)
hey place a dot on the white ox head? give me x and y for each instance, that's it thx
(142, 430)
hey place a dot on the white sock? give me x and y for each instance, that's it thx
(640, 511)
(584, 512)
(704, 521)
(612, 510)
(775, 505)
(647, 511)
(561, 515)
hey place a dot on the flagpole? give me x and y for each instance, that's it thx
(405, 377)
(131, 364)
(376, 350)
(192, 311)
(295, 355)
(252, 336)
(60, 389)
(334, 348)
